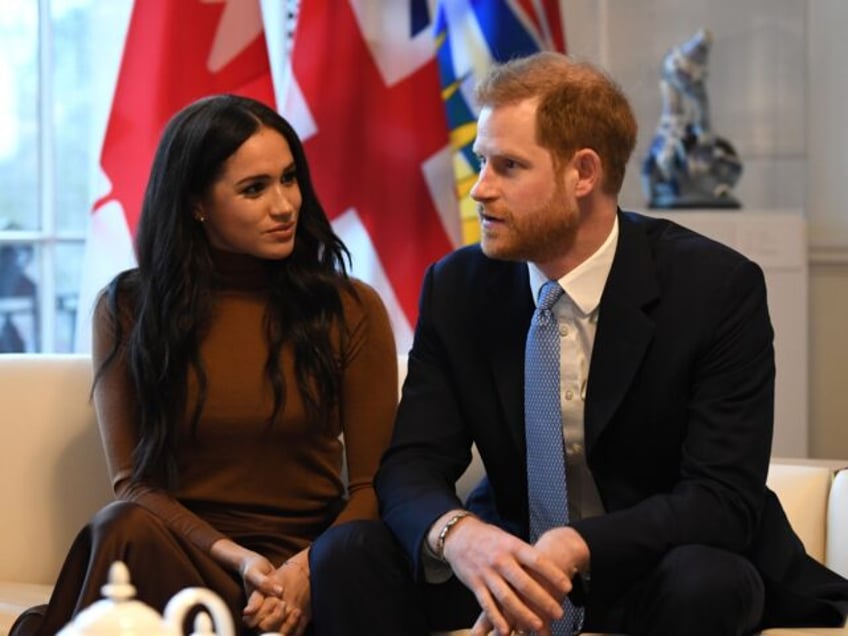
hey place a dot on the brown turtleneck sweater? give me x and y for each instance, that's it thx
(270, 488)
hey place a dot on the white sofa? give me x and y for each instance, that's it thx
(54, 479)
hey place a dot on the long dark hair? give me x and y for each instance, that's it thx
(169, 294)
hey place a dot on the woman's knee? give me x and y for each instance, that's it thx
(125, 522)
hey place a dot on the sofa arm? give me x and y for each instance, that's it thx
(837, 524)
(803, 491)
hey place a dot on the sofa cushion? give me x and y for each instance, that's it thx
(15, 598)
(54, 471)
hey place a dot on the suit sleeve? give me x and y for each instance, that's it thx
(431, 446)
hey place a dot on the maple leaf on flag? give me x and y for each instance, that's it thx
(175, 53)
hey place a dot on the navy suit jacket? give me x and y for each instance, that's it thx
(678, 413)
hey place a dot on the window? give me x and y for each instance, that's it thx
(57, 72)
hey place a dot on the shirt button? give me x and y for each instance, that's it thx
(569, 395)
(563, 330)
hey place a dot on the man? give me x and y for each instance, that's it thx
(664, 366)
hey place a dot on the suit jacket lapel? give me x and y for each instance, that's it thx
(508, 308)
(623, 335)
(624, 329)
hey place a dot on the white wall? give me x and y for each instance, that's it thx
(778, 92)
(827, 170)
(827, 96)
(755, 82)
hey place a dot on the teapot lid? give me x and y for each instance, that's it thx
(118, 613)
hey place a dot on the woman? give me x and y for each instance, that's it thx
(227, 365)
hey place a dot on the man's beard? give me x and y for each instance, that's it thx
(541, 238)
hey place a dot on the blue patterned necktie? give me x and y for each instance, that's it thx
(546, 487)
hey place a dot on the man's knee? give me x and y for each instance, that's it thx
(350, 546)
(690, 574)
(362, 582)
(704, 587)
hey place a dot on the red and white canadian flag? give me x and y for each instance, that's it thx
(175, 53)
(364, 95)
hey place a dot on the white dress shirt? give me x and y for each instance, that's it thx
(577, 315)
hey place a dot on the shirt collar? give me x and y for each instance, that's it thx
(585, 283)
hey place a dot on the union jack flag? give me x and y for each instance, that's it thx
(387, 120)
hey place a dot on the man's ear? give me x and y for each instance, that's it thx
(587, 164)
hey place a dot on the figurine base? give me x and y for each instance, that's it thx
(694, 203)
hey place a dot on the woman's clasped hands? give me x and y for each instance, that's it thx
(278, 599)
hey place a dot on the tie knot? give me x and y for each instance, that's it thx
(549, 294)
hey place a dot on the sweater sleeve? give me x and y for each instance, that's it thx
(115, 405)
(369, 396)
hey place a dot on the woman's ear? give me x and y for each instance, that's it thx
(589, 170)
(198, 213)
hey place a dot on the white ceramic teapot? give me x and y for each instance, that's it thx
(120, 615)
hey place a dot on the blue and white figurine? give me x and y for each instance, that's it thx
(687, 165)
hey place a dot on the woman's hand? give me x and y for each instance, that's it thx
(255, 571)
(265, 608)
(293, 576)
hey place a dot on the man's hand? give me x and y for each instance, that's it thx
(516, 585)
(566, 548)
(569, 552)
